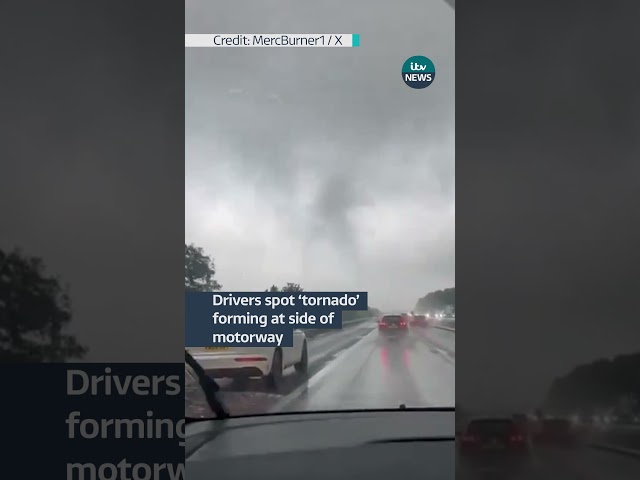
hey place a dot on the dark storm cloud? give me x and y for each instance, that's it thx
(556, 198)
(321, 145)
(90, 158)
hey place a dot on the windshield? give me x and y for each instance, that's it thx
(325, 170)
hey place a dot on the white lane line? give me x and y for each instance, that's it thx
(433, 375)
(616, 449)
(338, 345)
(438, 346)
(329, 368)
(446, 355)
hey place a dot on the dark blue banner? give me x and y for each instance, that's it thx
(85, 421)
(261, 319)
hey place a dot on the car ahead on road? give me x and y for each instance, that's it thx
(268, 363)
(419, 321)
(393, 325)
(523, 422)
(557, 431)
(491, 436)
(494, 448)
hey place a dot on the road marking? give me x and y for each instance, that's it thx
(317, 378)
(616, 449)
(345, 342)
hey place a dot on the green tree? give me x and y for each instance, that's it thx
(289, 287)
(595, 386)
(34, 312)
(292, 287)
(437, 300)
(199, 270)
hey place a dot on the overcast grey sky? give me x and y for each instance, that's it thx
(92, 153)
(548, 222)
(320, 166)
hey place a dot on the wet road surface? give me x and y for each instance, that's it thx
(372, 371)
(579, 463)
(353, 368)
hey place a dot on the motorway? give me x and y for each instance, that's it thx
(373, 372)
(627, 437)
(610, 453)
(353, 369)
(579, 463)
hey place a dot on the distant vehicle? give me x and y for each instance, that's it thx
(393, 325)
(267, 363)
(494, 435)
(557, 431)
(420, 321)
(522, 420)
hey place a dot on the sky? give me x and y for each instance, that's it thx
(547, 179)
(320, 166)
(92, 167)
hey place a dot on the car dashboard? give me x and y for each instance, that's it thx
(415, 444)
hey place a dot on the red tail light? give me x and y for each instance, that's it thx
(516, 438)
(250, 359)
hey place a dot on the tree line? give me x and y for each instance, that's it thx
(602, 385)
(36, 308)
(438, 300)
(35, 312)
(200, 271)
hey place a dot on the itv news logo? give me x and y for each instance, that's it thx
(418, 72)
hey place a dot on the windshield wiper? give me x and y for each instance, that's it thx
(209, 387)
